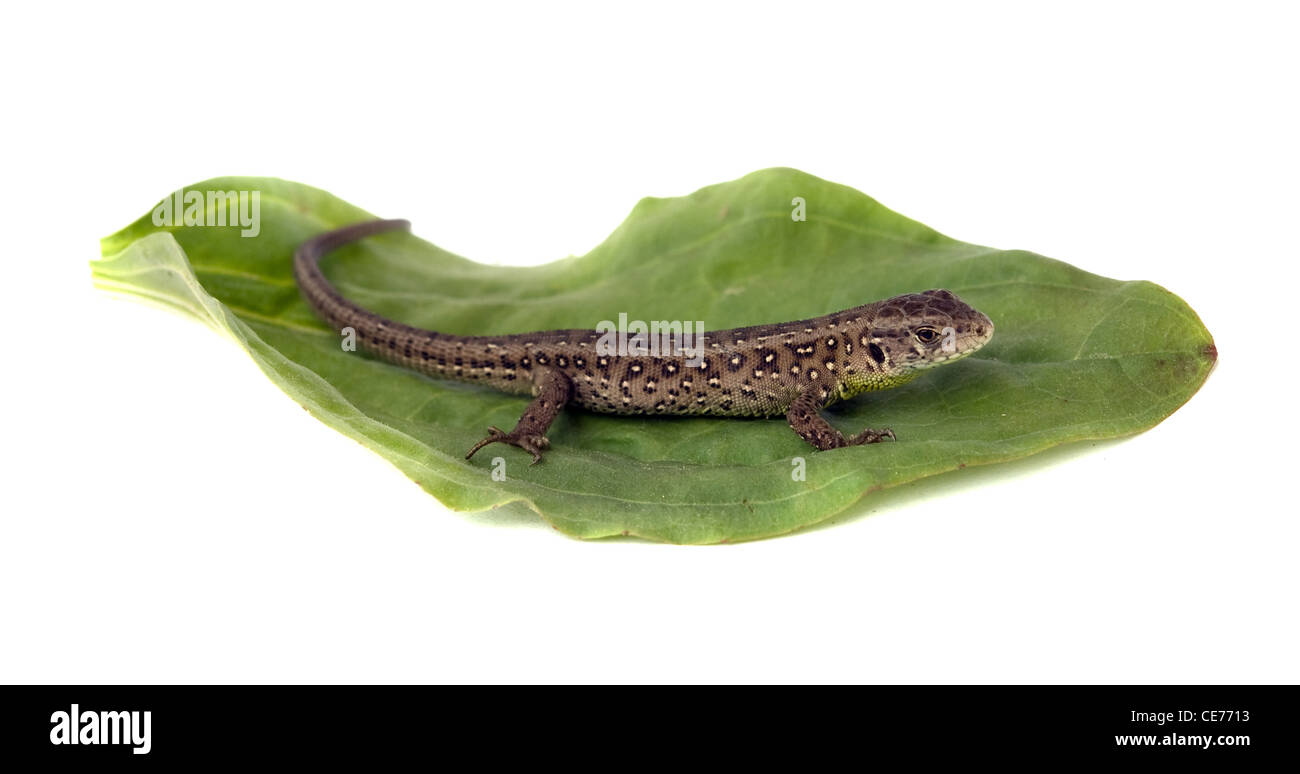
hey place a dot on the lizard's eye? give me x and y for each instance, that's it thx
(925, 335)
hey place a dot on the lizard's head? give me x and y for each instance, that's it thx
(919, 330)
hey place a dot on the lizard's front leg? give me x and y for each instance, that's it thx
(805, 419)
(551, 390)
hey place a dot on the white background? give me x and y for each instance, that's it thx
(170, 516)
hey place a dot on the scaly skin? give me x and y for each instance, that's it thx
(791, 369)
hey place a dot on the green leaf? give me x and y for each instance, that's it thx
(1076, 356)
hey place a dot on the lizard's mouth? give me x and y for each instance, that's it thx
(941, 357)
(981, 333)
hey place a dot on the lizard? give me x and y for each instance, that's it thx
(792, 369)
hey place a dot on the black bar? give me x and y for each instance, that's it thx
(211, 724)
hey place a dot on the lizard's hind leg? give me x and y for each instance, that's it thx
(551, 390)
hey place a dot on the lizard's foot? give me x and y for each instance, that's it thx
(529, 442)
(871, 436)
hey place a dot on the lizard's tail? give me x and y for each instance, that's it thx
(324, 298)
(388, 339)
(441, 355)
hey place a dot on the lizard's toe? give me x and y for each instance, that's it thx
(872, 436)
(533, 444)
(495, 435)
(529, 442)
